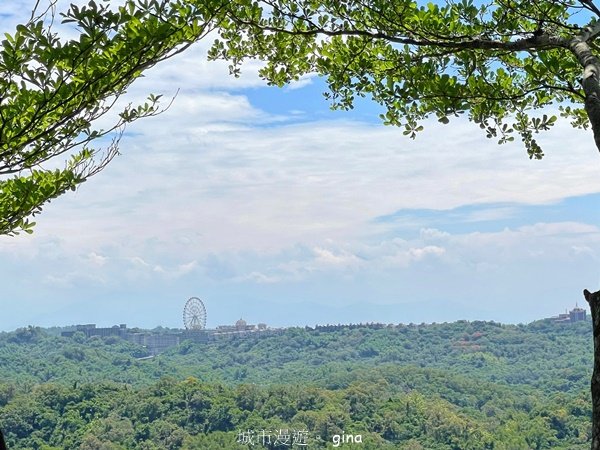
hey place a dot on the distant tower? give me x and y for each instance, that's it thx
(577, 314)
(241, 325)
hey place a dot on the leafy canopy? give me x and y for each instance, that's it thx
(53, 90)
(494, 61)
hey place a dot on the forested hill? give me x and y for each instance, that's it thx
(442, 386)
(542, 354)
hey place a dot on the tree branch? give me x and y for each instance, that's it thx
(534, 42)
(591, 75)
(590, 6)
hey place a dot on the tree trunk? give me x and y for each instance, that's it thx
(593, 300)
(590, 81)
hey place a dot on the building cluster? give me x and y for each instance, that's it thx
(577, 314)
(157, 342)
(240, 327)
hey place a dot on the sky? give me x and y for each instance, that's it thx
(269, 206)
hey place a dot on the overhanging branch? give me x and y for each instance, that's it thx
(533, 42)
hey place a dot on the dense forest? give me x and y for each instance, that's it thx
(462, 385)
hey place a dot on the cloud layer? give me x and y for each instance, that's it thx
(242, 192)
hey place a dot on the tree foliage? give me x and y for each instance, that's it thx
(468, 385)
(53, 91)
(495, 61)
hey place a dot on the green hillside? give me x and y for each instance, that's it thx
(463, 385)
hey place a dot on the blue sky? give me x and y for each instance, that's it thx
(269, 206)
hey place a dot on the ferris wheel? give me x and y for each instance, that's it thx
(194, 314)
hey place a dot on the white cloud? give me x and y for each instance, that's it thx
(303, 81)
(582, 250)
(267, 188)
(136, 261)
(428, 234)
(191, 70)
(257, 277)
(97, 259)
(327, 258)
(540, 245)
(144, 268)
(420, 253)
(74, 280)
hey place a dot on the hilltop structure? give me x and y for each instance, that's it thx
(158, 342)
(194, 320)
(577, 314)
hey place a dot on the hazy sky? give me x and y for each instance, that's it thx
(269, 206)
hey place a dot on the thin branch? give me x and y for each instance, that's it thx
(543, 41)
(590, 6)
